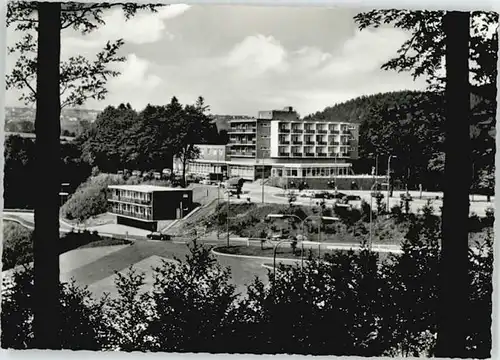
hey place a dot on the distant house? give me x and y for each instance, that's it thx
(146, 206)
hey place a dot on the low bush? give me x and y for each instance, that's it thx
(17, 245)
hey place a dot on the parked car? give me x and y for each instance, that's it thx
(336, 195)
(352, 197)
(321, 195)
(166, 172)
(158, 236)
(136, 173)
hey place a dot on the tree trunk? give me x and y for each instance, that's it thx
(454, 254)
(47, 128)
(184, 160)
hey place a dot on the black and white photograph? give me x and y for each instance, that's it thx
(249, 179)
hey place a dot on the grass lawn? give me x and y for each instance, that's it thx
(283, 251)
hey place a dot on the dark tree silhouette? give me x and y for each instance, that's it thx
(454, 283)
(78, 80)
(48, 128)
(437, 35)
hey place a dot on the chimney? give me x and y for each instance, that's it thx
(289, 108)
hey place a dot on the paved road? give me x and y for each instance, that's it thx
(242, 270)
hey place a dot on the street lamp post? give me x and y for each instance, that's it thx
(389, 180)
(263, 171)
(218, 211)
(371, 215)
(227, 217)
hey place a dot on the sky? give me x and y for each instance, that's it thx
(241, 59)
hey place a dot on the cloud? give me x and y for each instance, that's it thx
(136, 83)
(256, 55)
(311, 57)
(366, 51)
(144, 28)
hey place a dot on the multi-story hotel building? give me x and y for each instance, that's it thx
(147, 206)
(278, 144)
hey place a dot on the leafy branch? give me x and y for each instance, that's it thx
(81, 78)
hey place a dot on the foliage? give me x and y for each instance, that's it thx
(106, 143)
(191, 126)
(82, 315)
(17, 245)
(19, 171)
(23, 126)
(80, 78)
(379, 201)
(292, 198)
(90, 198)
(371, 308)
(193, 302)
(412, 279)
(121, 137)
(423, 55)
(128, 316)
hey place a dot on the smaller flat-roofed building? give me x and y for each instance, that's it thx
(212, 159)
(146, 206)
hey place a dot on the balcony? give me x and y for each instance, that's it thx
(242, 153)
(321, 154)
(242, 130)
(309, 131)
(309, 142)
(336, 132)
(321, 131)
(297, 154)
(284, 142)
(310, 154)
(284, 154)
(296, 142)
(334, 143)
(132, 214)
(297, 131)
(333, 155)
(243, 142)
(285, 131)
(320, 142)
(346, 132)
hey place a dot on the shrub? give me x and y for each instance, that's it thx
(370, 309)
(81, 316)
(17, 245)
(90, 199)
(379, 200)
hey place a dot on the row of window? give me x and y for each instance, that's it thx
(311, 172)
(132, 195)
(204, 169)
(132, 210)
(212, 151)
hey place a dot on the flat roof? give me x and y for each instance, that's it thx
(146, 188)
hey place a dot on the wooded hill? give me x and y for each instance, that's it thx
(409, 124)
